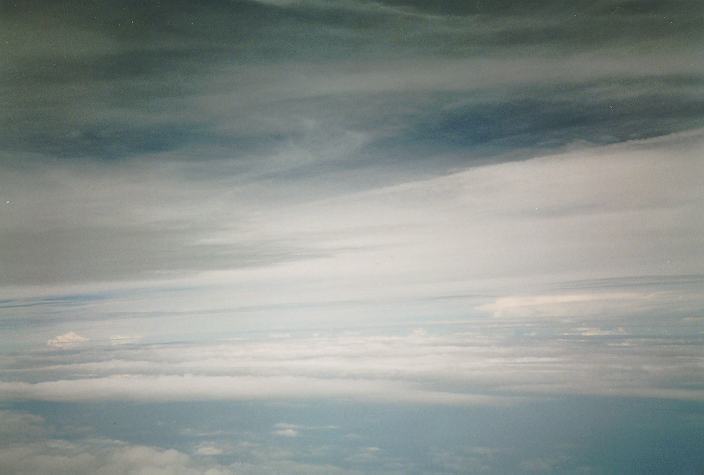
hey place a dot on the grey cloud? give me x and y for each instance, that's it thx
(605, 212)
(83, 225)
(20, 426)
(487, 364)
(533, 121)
(103, 81)
(389, 203)
(89, 254)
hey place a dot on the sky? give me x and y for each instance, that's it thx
(351, 237)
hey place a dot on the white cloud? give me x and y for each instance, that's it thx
(587, 213)
(67, 340)
(596, 331)
(585, 305)
(209, 450)
(100, 458)
(476, 363)
(194, 388)
(287, 432)
(27, 448)
(516, 234)
(124, 339)
(284, 429)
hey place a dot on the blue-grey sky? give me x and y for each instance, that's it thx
(308, 236)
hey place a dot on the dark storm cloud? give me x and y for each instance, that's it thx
(545, 119)
(124, 79)
(107, 79)
(574, 25)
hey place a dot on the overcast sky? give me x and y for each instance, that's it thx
(321, 236)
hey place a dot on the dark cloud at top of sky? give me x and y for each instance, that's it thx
(242, 79)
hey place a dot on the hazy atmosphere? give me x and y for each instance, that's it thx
(351, 237)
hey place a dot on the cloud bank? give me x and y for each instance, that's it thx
(487, 365)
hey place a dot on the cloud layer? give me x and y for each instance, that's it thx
(462, 212)
(487, 365)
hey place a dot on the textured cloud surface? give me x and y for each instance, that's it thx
(351, 236)
(484, 366)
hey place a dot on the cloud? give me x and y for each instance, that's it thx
(20, 426)
(596, 331)
(543, 464)
(208, 450)
(239, 388)
(240, 80)
(30, 446)
(569, 305)
(67, 340)
(474, 459)
(503, 200)
(284, 429)
(587, 214)
(286, 432)
(124, 339)
(103, 457)
(489, 362)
